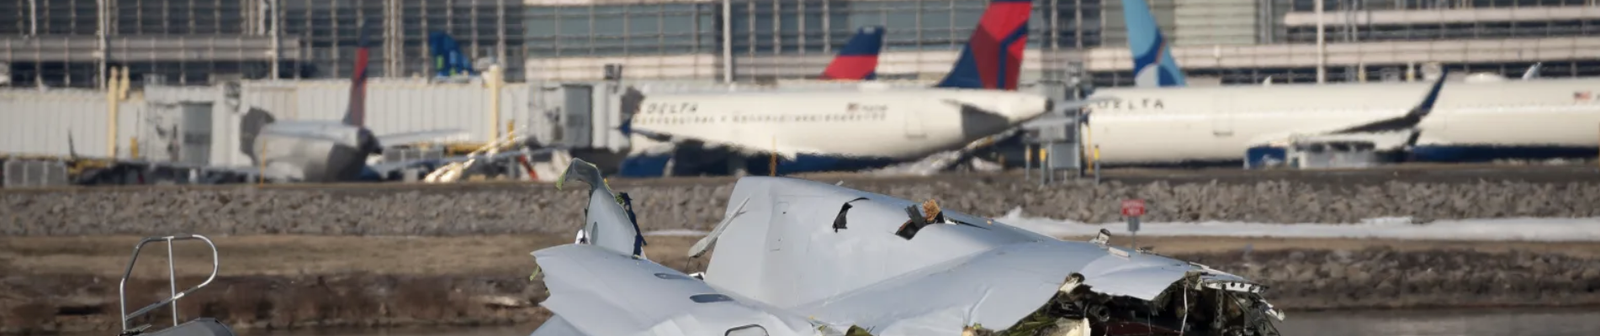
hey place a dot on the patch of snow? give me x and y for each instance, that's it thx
(1500, 229)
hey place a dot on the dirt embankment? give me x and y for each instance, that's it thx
(80, 303)
(62, 284)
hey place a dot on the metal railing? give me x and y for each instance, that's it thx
(172, 280)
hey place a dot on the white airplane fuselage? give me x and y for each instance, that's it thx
(1215, 124)
(840, 129)
(312, 151)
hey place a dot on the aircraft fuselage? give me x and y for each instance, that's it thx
(828, 130)
(1212, 124)
(313, 151)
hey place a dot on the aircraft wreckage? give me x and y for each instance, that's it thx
(797, 257)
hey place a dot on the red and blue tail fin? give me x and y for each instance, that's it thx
(356, 115)
(859, 58)
(992, 59)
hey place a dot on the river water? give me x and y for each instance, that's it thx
(1484, 322)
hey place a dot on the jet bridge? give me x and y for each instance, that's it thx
(1057, 152)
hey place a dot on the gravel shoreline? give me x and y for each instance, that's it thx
(543, 209)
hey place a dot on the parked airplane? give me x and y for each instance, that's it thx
(840, 130)
(603, 285)
(327, 150)
(913, 269)
(1208, 125)
(1477, 121)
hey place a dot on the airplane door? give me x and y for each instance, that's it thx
(1222, 115)
(914, 127)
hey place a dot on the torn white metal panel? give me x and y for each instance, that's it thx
(812, 254)
(1137, 275)
(599, 292)
(606, 223)
(995, 289)
(846, 257)
(557, 326)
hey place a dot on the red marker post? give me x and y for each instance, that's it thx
(1132, 209)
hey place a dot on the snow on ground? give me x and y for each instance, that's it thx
(1504, 229)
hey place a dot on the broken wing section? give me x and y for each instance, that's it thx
(1388, 134)
(994, 289)
(606, 223)
(1135, 293)
(790, 242)
(594, 291)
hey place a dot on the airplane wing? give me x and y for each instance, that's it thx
(595, 291)
(1392, 132)
(608, 224)
(384, 168)
(954, 272)
(995, 289)
(557, 326)
(422, 137)
(1058, 115)
(747, 146)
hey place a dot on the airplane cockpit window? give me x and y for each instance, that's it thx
(749, 330)
(709, 298)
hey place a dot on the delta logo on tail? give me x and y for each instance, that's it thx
(859, 58)
(1153, 65)
(992, 58)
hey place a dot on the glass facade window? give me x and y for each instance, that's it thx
(327, 31)
(1437, 31)
(622, 29)
(784, 27)
(1330, 5)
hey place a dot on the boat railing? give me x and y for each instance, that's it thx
(172, 281)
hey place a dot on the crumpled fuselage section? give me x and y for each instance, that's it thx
(891, 266)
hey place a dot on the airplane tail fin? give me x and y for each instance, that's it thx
(610, 223)
(859, 58)
(356, 115)
(72, 149)
(1153, 64)
(992, 58)
(1533, 71)
(1411, 118)
(631, 99)
(250, 127)
(448, 60)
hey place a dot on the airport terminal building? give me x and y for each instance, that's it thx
(67, 43)
(1227, 41)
